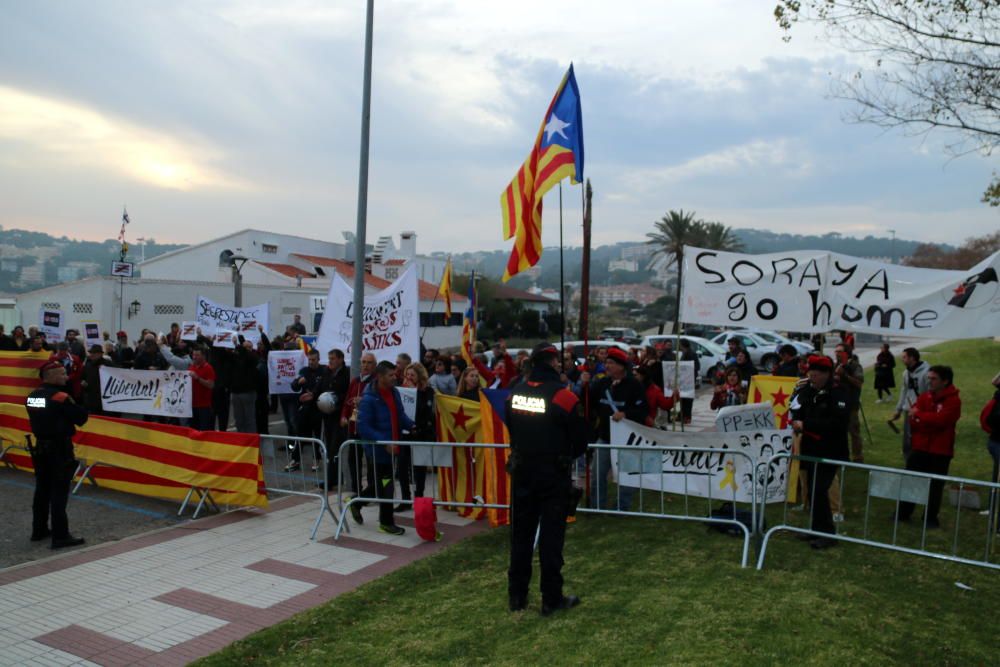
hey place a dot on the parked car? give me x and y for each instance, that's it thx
(801, 347)
(763, 353)
(577, 347)
(620, 334)
(711, 356)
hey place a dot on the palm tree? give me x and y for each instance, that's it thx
(674, 231)
(720, 237)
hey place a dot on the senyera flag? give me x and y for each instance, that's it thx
(444, 290)
(157, 460)
(469, 322)
(19, 374)
(557, 153)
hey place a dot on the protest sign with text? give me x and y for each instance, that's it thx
(51, 323)
(749, 417)
(91, 333)
(815, 291)
(283, 367)
(157, 393)
(709, 475)
(684, 371)
(391, 319)
(213, 317)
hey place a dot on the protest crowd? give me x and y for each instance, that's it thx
(230, 386)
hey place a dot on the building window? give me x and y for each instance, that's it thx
(391, 272)
(168, 309)
(50, 305)
(269, 248)
(86, 308)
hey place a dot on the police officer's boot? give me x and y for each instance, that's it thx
(518, 602)
(567, 602)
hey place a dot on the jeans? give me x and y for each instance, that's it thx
(289, 410)
(244, 411)
(600, 468)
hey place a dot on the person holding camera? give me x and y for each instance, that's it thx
(547, 433)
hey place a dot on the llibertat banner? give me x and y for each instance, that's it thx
(391, 319)
(814, 291)
(283, 368)
(717, 474)
(155, 393)
(213, 317)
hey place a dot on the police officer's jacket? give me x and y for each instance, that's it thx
(54, 416)
(824, 414)
(545, 419)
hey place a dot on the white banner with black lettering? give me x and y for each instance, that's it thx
(213, 317)
(283, 367)
(391, 319)
(157, 393)
(814, 291)
(709, 475)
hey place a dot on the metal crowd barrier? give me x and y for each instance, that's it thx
(309, 479)
(648, 460)
(7, 445)
(437, 453)
(897, 486)
(644, 454)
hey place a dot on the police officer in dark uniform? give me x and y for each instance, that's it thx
(547, 433)
(820, 412)
(54, 417)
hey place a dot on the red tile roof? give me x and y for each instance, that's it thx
(288, 270)
(395, 262)
(346, 270)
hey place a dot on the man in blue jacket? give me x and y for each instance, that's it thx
(381, 418)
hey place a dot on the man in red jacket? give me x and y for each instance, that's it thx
(932, 426)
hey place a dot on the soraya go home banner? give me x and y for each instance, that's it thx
(391, 319)
(813, 291)
(158, 393)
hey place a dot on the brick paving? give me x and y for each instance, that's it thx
(178, 594)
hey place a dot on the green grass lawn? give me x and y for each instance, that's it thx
(658, 592)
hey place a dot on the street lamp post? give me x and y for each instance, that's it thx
(892, 246)
(237, 262)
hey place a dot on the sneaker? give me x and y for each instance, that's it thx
(68, 541)
(798, 508)
(838, 517)
(293, 466)
(356, 513)
(392, 529)
(567, 602)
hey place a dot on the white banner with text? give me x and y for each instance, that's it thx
(213, 317)
(156, 393)
(813, 291)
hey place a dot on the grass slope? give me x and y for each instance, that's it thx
(673, 592)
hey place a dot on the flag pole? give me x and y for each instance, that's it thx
(362, 222)
(562, 288)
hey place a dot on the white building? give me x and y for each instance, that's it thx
(291, 273)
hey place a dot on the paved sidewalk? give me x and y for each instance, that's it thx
(177, 594)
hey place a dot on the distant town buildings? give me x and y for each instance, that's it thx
(606, 295)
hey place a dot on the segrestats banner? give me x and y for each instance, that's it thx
(215, 317)
(156, 393)
(717, 475)
(391, 319)
(814, 291)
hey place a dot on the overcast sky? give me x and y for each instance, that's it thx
(209, 117)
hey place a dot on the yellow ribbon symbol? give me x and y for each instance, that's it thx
(730, 478)
(158, 401)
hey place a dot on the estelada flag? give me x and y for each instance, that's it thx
(458, 420)
(556, 154)
(776, 389)
(494, 430)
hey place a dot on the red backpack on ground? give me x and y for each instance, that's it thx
(425, 519)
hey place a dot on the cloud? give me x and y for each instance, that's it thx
(69, 133)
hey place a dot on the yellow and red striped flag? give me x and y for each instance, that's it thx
(494, 430)
(19, 374)
(556, 154)
(469, 322)
(458, 420)
(444, 291)
(158, 460)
